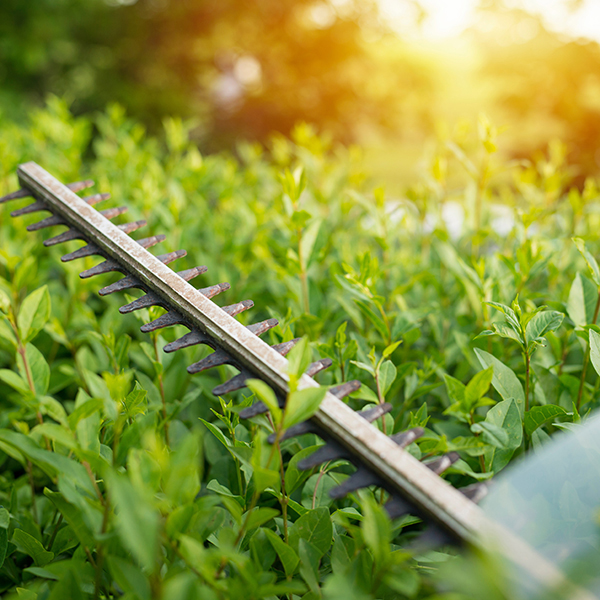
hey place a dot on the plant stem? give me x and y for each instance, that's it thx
(381, 399)
(527, 359)
(586, 358)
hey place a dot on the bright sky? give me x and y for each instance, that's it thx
(448, 18)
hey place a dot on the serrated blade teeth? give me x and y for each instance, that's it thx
(361, 478)
(296, 430)
(189, 274)
(166, 320)
(111, 213)
(216, 359)
(150, 299)
(345, 389)
(107, 266)
(235, 383)
(67, 236)
(152, 241)
(397, 507)
(32, 208)
(439, 465)
(235, 309)
(475, 492)
(48, 222)
(406, 438)
(89, 250)
(330, 451)
(123, 284)
(95, 198)
(24, 192)
(192, 338)
(262, 326)
(212, 290)
(318, 366)
(131, 227)
(285, 347)
(170, 256)
(258, 408)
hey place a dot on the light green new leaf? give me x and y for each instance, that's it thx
(504, 380)
(541, 324)
(299, 358)
(259, 516)
(34, 313)
(13, 379)
(267, 395)
(136, 520)
(478, 386)
(387, 376)
(302, 404)
(582, 300)
(539, 415)
(595, 350)
(589, 259)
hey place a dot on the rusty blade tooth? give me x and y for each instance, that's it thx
(216, 359)
(166, 320)
(111, 213)
(360, 479)
(330, 451)
(48, 222)
(475, 492)
(258, 408)
(152, 241)
(150, 299)
(95, 198)
(67, 236)
(212, 290)
(235, 383)
(32, 208)
(376, 412)
(318, 366)
(170, 256)
(406, 438)
(439, 465)
(345, 389)
(235, 309)
(397, 507)
(192, 338)
(77, 186)
(262, 327)
(24, 192)
(285, 347)
(123, 284)
(107, 266)
(88, 250)
(189, 274)
(130, 227)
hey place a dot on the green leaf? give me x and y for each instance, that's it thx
(315, 527)
(309, 565)
(299, 358)
(217, 433)
(582, 300)
(504, 380)
(541, 324)
(539, 415)
(136, 520)
(387, 376)
(267, 395)
(491, 434)
(288, 557)
(129, 577)
(506, 415)
(376, 530)
(34, 313)
(595, 350)
(37, 367)
(302, 404)
(73, 516)
(16, 382)
(478, 386)
(510, 315)
(307, 243)
(391, 348)
(4, 523)
(373, 317)
(259, 516)
(589, 259)
(27, 544)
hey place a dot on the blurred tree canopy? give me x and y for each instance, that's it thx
(241, 69)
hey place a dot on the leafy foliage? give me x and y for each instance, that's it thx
(123, 476)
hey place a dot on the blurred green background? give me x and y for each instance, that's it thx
(388, 75)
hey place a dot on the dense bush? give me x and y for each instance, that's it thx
(466, 305)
